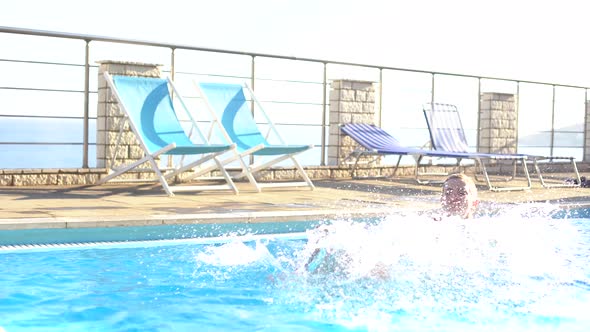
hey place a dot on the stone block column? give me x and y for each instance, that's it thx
(498, 123)
(350, 102)
(109, 115)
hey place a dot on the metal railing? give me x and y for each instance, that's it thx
(323, 84)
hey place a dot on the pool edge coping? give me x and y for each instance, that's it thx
(200, 218)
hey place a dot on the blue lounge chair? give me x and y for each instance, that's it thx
(233, 121)
(148, 107)
(447, 134)
(374, 141)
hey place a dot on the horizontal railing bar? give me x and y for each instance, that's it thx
(42, 89)
(244, 77)
(270, 101)
(80, 143)
(295, 124)
(276, 123)
(88, 38)
(247, 77)
(288, 81)
(289, 102)
(45, 116)
(34, 143)
(288, 124)
(559, 131)
(46, 63)
(213, 75)
(547, 147)
(44, 143)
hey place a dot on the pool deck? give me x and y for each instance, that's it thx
(147, 204)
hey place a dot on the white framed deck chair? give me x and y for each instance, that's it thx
(148, 107)
(374, 141)
(447, 134)
(233, 122)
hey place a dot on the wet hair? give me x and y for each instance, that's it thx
(469, 184)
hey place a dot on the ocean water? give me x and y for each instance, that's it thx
(62, 143)
(62, 138)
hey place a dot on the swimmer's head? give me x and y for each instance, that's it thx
(459, 196)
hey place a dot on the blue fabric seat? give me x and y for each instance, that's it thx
(233, 122)
(148, 108)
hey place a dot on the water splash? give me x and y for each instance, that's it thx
(520, 264)
(233, 253)
(517, 269)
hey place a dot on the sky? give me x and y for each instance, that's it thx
(526, 40)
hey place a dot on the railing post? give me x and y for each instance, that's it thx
(479, 97)
(172, 64)
(324, 112)
(517, 113)
(380, 117)
(432, 89)
(252, 86)
(253, 79)
(552, 123)
(170, 162)
(586, 155)
(86, 105)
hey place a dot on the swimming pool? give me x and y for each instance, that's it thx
(504, 273)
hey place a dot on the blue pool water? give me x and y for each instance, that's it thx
(504, 273)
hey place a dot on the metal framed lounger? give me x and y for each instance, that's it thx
(147, 106)
(233, 122)
(376, 141)
(447, 134)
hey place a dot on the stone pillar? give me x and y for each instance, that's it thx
(350, 102)
(498, 123)
(109, 116)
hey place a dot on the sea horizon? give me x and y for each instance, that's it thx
(69, 132)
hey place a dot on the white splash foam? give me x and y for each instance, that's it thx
(233, 253)
(518, 262)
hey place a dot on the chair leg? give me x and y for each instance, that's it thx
(564, 185)
(226, 176)
(122, 170)
(160, 176)
(192, 165)
(218, 164)
(399, 159)
(355, 166)
(251, 170)
(248, 174)
(508, 179)
(491, 187)
(302, 173)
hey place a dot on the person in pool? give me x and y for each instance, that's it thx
(458, 198)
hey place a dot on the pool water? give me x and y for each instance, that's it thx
(505, 273)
